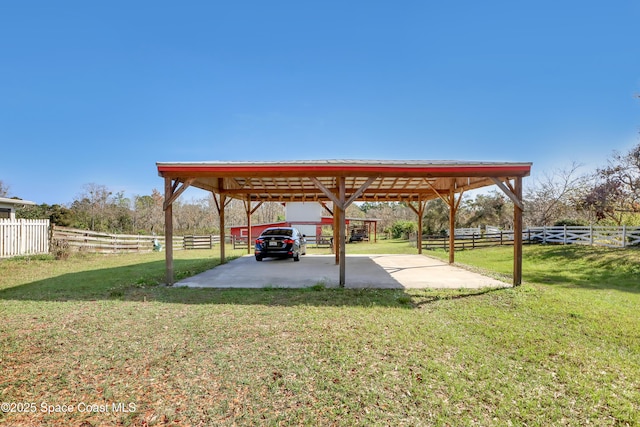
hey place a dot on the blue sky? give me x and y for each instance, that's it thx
(98, 91)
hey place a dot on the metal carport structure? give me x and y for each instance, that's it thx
(343, 182)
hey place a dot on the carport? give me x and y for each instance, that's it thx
(343, 182)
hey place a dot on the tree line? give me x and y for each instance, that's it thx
(608, 196)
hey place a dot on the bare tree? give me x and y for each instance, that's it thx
(4, 189)
(90, 207)
(556, 196)
(148, 215)
(269, 212)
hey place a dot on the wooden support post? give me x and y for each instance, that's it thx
(249, 224)
(336, 233)
(517, 234)
(222, 231)
(419, 236)
(168, 230)
(419, 211)
(452, 224)
(341, 203)
(343, 226)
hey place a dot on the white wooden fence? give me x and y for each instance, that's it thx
(466, 233)
(615, 237)
(23, 237)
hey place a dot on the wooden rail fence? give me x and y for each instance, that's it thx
(200, 242)
(95, 242)
(91, 241)
(472, 241)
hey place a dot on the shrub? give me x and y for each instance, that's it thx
(60, 249)
(570, 222)
(402, 229)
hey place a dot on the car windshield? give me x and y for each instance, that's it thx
(278, 232)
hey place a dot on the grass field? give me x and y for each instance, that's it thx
(101, 336)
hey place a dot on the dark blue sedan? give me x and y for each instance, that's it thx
(281, 242)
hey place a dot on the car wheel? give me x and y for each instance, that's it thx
(258, 258)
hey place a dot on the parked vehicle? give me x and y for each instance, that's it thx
(281, 242)
(358, 236)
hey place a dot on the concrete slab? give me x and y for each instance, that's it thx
(362, 271)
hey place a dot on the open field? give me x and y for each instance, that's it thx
(562, 349)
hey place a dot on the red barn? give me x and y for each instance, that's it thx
(241, 231)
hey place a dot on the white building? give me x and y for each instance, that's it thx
(8, 207)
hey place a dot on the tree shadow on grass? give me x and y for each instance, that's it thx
(586, 267)
(143, 282)
(456, 295)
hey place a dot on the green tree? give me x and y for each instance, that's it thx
(436, 217)
(487, 209)
(57, 214)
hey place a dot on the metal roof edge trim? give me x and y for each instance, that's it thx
(383, 163)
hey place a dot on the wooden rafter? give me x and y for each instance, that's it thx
(326, 191)
(324, 205)
(360, 190)
(509, 191)
(176, 191)
(437, 192)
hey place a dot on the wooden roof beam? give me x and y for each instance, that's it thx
(176, 191)
(509, 192)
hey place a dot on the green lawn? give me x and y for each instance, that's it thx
(562, 349)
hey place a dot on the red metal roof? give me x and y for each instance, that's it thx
(294, 180)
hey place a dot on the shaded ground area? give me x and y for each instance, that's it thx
(362, 271)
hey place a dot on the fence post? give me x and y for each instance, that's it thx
(22, 246)
(564, 235)
(624, 236)
(544, 234)
(50, 236)
(591, 234)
